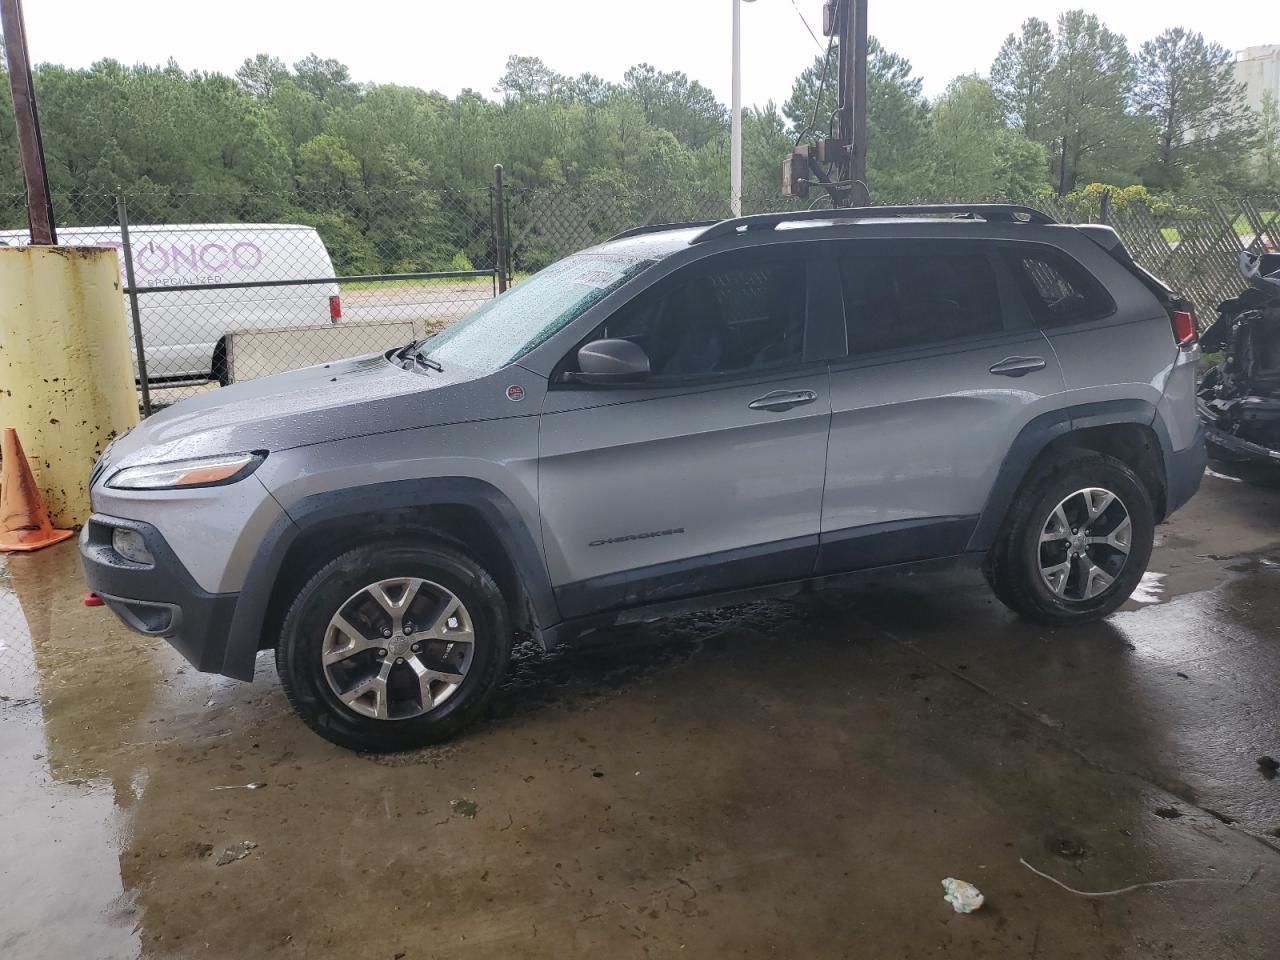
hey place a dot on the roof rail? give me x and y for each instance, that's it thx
(660, 227)
(991, 212)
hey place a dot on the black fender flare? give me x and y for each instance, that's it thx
(376, 500)
(1032, 440)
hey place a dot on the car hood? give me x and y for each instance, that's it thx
(331, 401)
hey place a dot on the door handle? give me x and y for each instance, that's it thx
(781, 400)
(1017, 366)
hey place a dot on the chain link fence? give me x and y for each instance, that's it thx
(233, 286)
(221, 287)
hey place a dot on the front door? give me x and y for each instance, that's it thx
(944, 368)
(708, 476)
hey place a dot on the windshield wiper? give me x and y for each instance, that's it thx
(401, 354)
(427, 362)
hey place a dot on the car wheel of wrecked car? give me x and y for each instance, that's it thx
(389, 647)
(1076, 542)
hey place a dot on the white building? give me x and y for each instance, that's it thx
(1258, 68)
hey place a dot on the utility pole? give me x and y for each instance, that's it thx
(30, 147)
(853, 100)
(839, 163)
(735, 118)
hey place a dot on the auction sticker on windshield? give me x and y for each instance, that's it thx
(595, 277)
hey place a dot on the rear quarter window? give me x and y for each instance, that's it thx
(1058, 290)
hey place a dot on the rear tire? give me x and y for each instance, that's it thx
(1058, 567)
(350, 629)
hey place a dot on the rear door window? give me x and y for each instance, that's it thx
(1057, 288)
(918, 297)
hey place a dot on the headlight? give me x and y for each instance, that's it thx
(177, 474)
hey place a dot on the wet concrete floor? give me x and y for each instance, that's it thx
(786, 779)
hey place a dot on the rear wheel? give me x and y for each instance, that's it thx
(1076, 542)
(390, 647)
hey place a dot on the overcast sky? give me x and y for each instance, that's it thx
(451, 45)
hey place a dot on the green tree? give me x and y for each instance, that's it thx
(325, 79)
(1268, 156)
(1090, 85)
(976, 155)
(261, 74)
(10, 170)
(672, 101)
(766, 141)
(529, 78)
(1186, 88)
(1020, 78)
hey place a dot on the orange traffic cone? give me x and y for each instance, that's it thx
(24, 522)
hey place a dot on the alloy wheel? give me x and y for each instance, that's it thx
(1084, 544)
(398, 648)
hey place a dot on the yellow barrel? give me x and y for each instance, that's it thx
(66, 370)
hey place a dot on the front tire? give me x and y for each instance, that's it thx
(394, 646)
(1076, 542)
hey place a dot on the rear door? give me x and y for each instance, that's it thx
(708, 476)
(944, 367)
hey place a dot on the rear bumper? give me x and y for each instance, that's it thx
(1184, 470)
(160, 599)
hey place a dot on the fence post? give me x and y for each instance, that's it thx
(123, 214)
(1104, 207)
(500, 228)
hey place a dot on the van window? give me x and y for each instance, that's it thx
(898, 301)
(1059, 290)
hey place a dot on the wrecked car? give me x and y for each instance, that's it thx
(1239, 397)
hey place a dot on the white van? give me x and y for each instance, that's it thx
(183, 331)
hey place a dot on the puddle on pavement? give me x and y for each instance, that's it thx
(65, 826)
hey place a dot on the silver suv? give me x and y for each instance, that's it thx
(685, 416)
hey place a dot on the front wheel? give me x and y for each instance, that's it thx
(390, 647)
(1076, 542)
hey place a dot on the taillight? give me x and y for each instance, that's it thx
(1184, 326)
(335, 308)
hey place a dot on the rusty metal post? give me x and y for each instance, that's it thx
(30, 148)
(500, 229)
(1104, 207)
(127, 249)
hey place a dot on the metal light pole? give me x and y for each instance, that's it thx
(735, 121)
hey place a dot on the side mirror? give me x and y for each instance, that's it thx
(606, 362)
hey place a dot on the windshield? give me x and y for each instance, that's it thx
(507, 327)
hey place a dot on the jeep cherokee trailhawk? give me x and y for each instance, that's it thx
(685, 416)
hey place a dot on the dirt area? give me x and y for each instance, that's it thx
(785, 779)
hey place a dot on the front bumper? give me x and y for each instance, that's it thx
(1231, 442)
(1244, 448)
(160, 599)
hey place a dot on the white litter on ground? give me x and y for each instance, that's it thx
(962, 895)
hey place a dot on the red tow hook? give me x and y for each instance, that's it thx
(91, 599)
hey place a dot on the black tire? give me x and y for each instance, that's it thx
(299, 650)
(221, 372)
(1013, 566)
